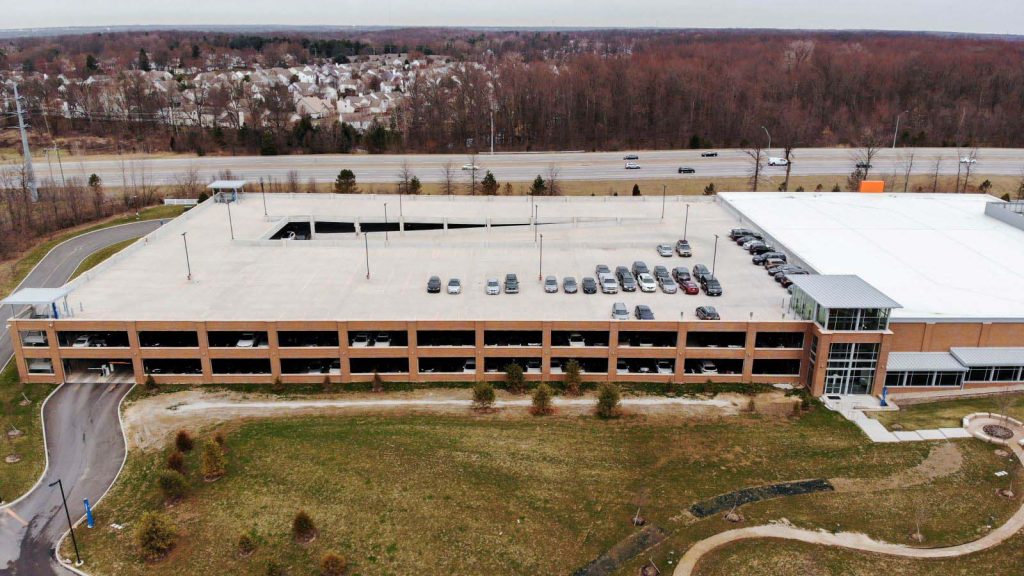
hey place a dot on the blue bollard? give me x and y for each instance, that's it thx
(89, 521)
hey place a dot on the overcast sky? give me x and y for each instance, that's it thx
(984, 16)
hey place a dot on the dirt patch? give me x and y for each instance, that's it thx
(776, 404)
(944, 459)
(747, 495)
(623, 551)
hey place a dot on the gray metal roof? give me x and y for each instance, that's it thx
(34, 296)
(923, 362)
(227, 185)
(973, 357)
(843, 291)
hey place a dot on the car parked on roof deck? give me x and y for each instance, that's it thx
(619, 311)
(773, 262)
(668, 285)
(551, 284)
(664, 250)
(683, 248)
(646, 282)
(454, 286)
(601, 269)
(589, 285)
(690, 287)
(626, 279)
(773, 270)
(707, 313)
(759, 259)
(493, 287)
(761, 248)
(739, 232)
(640, 267)
(643, 312)
(511, 284)
(660, 271)
(434, 285)
(680, 273)
(711, 286)
(700, 271)
(569, 285)
(609, 285)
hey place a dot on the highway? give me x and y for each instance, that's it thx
(523, 167)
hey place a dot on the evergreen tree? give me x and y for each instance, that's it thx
(91, 63)
(539, 187)
(143, 60)
(489, 185)
(345, 183)
(636, 189)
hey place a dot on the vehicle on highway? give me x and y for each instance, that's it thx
(711, 286)
(85, 341)
(640, 267)
(631, 157)
(360, 340)
(646, 282)
(690, 287)
(760, 259)
(686, 170)
(246, 340)
(664, 250)
(680, 274)
(700, 271)
(632, 166)
(468, 167)
(619, 311)
(601, 269)
(609, 284)
(776, 161)
(665, 367)
(382, 339)
(551, 285)
(511, 284)
(569, 285)
(668, 285)
(709, 154)
(493, 287)
(968, 160)
(434, 285)
(707, 313)
(576, 340)
(626, 279)
(643, 312)
(863, 165)
(454, 286)
(739, 232)
(683, 248)
(589, 285)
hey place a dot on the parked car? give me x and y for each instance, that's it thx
(454, 286)
(707, 313)
(469, 366)
(776, 161)
(601, 269)
(711, 286)
(760, 259)
(680, 274)
(773, 262)
(747, 244)
(576, 340)
(551, 284)
(626, 279)
(660, 271)
(761, 248)
(665, 367)
(85, 341)
(619, 311)
(640, 267)
(632, 166)
(686, 170)
(700, 271)
(609, 285)
(631, 157)
(707, 367)
(569, 285)
(511, 284)
(533, 366)
(738, 232)
(668, 285)
(360, 340)
(664, 250)
(589, 285)
(493, 287)
(382, 339)
(772, 271)
(646, 282)
(643, 312)
(434, 285)
(690, 287)
(246, 340)
(786, 278)
(683, 248)
(709, 154)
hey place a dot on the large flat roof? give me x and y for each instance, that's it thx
(256, 278)
(938, 255)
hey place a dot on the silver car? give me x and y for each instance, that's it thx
(664, 250)
(551, 285)
(620, 311)
(493, 287)
(668, 285)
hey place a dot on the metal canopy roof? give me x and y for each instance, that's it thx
(974, 357)
(923, 362)
(227, 185)
(36, 296)
(843, 291)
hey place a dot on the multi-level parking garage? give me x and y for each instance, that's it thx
(312, 287)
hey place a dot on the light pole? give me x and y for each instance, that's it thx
(366, 243)
(769, 139)
(714, 258)
(540, 261)
(187, 262)
(897, 130)
(67, 515)
(230, 223)
(535, 223)
(385, 222)
(663, 187)
(263, 191)
(686, 221)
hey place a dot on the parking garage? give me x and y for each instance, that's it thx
(529, 365)
(310, 366)
(240, 365)
(379, 365)
(713, 366)
(716, 339)
(587, 365)
(428, 338)
(648, 339)
(579, 338)
(378, 339)
(515, 338)
(460, 365)
(625, 366)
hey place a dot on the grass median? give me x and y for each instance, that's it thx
(949, 413)
(21, 404)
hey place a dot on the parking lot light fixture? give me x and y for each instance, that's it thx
(263, 192)
(385, 222)
(663, 188)
(536, 211)
(366, 243)
(231, 225)
(686, 221)
(714, 258)
(540, 262)
(78, 557)
(188, 264)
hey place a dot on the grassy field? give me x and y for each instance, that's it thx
(15, 479)
(516, 495)
(947, 414)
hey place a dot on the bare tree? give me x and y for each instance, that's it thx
(959, 166)
(908, 167)
(448, 178)
(1020, 186)
(866, 155)
(756, 154)
(404, 177)
(921, 513)
(935, 174)
(472, 186)
(292, 179)
(187, 183)
(554, 180)
(968, 163)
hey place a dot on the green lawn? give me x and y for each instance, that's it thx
(94, 259)
(16, 479)
(948, 413)
(512, 494)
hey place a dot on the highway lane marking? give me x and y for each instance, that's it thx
(14, 515)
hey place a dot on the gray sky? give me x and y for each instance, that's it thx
(984, 16)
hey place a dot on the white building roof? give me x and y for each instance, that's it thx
(973, 357)
(938, 255)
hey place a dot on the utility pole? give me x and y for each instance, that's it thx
(492, 131)
(686, 222)
(30, 173)
(663, 187)
(71, 527)
(263, 191)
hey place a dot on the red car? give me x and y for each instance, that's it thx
(690, 287)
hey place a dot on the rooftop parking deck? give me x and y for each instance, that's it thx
(254, 277)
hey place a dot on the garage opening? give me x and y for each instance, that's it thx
(294, 231)
(93, 339)
(779, 340)
(587, 365)
(308, 339)
(529, 365)
(645, 366)
(646, 339)
(445, 338)
(157, 366)
(533, 338)
(716, 339)
(712, 366)
(379, 365)
(774, 367)
(378, 339)
(34, 338)
(310, 366)
(448, 365)
(99, 371)
(579, 338)
(241, 365)
(168, 339)
(238, 339)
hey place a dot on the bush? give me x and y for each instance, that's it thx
(155, 535)
(378, 384)
(176, 461)
(246, 545)
(277, 386)
(572, 378)
(173, 485)
(220, 440)
(636, 189)
(213, 466)
(302, 526)
(541, 400)
(608, 397)
(483, 396)
(183, 441)
(150, 383)
(333, 565)
(514, 379)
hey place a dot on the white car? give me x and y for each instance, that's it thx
(664, 250)
(468, 167)
(609, 285)
(968, 160)
(632, 166)
(246, 340)
(382, 339)
(551, 285)
(361, 340)
(493, 287)
(708, 367)
(646, 282)
(665, 367)
(469, 367)
(775, 161)
(454, 286)
(576, 340)
(82, 341)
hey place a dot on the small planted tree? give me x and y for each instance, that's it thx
(489, 185)
(710, 189)
(214, 465)
(150, 383)
(183, 441)
(539, 187)
(377, 384)
(514, 379)
(541, 404)
(155, 536)
(345, 183)
(636, 189)
(303, 529)
(173, 485)
(608, 397)
(333, 565)
(176, 461)
(573, 381)
(246, 545)
(483, 396)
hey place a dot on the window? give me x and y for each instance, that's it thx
(850, 368)
(995, 374)
(856, 319)
(912, 378)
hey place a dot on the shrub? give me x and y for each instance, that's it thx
(514, 378)
(572, 378)
(541, 400)
(333, 565)
(220, 440)
(176, 461)
(172, 485)
(483, 396)
(155, 535)
(213, 466)
(183, 441)
(378, 384)
(277, 386)
(608, 397)
(636, 189)
(302, 526)
(246, 545)
(150, 383)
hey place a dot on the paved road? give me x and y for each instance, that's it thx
(524, 167)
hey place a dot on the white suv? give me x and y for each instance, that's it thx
(646, 282)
